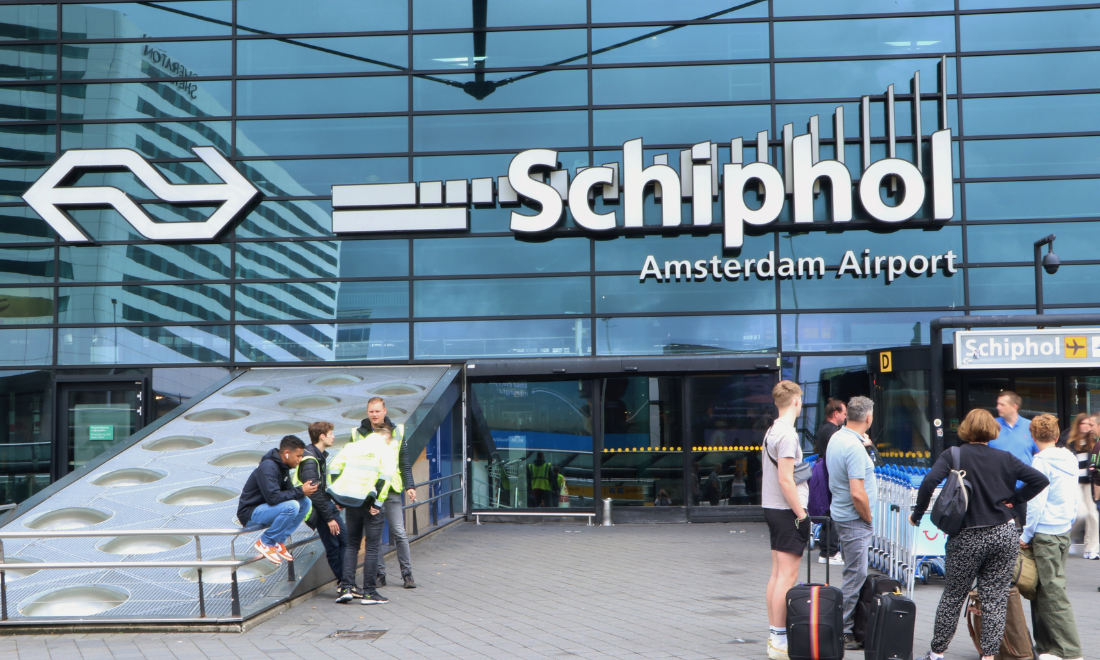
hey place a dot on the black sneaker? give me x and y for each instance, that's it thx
(409, 582)
(374, 598)
(850, 643)
(346, 595)
(381, 581)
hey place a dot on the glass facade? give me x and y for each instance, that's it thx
(304, 96)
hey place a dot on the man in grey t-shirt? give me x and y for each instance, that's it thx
(855, 493)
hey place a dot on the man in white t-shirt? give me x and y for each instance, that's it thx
(784, 504)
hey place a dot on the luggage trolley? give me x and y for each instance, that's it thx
(898, 549)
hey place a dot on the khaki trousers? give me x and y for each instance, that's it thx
(1051, 612)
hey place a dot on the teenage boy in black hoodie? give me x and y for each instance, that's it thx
(325, 517)
(270, 499)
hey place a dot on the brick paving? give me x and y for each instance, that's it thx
(632, 592)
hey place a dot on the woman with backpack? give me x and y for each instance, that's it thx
(987, 544)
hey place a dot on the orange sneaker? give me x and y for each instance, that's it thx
(270, 552)
(281, 550)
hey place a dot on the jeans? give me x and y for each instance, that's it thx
(1051, 612)
(396, 518)
(281, 520)
(855, 539)
(362, 524)
(335, 547)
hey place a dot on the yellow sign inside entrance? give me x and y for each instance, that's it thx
(886, 361)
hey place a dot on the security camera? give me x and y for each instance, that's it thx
(1050, 263)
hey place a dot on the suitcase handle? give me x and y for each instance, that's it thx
(827, 524)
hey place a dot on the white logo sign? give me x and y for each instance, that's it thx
(48, 196)
(1034, 349)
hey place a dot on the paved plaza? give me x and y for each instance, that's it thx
(691, 591)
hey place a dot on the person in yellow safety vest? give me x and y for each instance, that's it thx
(398, 465)
(540, 477)
(563, 492)
(326, 516)
(359, 482)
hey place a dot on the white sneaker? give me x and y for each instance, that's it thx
(835, 560)
(1047, 656)
(1092, 556)
(777, 652)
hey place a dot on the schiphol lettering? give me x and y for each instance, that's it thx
(1008, 348)
(890, 267)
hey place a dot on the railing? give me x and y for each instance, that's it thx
(233, 564)
(433, 517)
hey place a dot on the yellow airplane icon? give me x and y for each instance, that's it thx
(1075, 347)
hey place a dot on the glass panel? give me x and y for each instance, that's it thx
(498, 255)
(143, 345)
(824, 377)
(679, 125)
(116, 263)
(323, 300)
(26, 347)
(286, 219)
(292, 16)
(526, 296)
(728, 416)
(26, 402)
(14, 181)
(908, 290)
(97, 421)
(26, 305)
(170, 139)
(466, 166)
(172, 59)
(22, 225)
(799, 114)
(1002, 286)
(528, 338)
(134, 20)
(278, 260)
(817, 8)
(171, 387)
(505, 131)
(372, 341)
(847, 332)
(900, 422)
(1032, 199)
(512, 89)
(338, 55)
(982, 392)
(991, 243)
(461, 50)
(301, 137)
(1038, 157)
(626, 295)
(141, 100)
(322, 342)
(31, 22)
(629, 252)
(1084, 394)
(685, 334)
(642, 463)
(1067, 113)
(538, 450)
(322, 96)
(143, 304)
(1028, 73)
(623, 11)
(1037, 29)
(317, 176)
(26, 265)
(1039, 394)
(682, 43)
(371, 258)
(996, 4)
(436, 14)
(20, 143)
(822, 80)
(35, 62)
(681, 84)
(28, 102)
(876, 36)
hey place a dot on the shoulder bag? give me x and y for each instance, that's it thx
(954, 499)
(802, 471)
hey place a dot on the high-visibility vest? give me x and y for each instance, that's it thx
(396, 485)
(540, 476)
(297, 482)
(354, 474)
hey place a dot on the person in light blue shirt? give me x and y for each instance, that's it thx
(855, 494)
(1015, 438)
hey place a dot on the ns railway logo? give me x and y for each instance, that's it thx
(536, 180)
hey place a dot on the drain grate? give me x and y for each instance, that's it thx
(368, 635)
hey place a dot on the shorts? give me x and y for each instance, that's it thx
(785, 537)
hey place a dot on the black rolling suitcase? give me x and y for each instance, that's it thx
(815, 617)
(890, 627)
(873, 586)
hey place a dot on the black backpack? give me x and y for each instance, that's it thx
(954, 499)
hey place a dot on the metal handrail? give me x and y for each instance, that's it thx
(432, 481)
(433, 518)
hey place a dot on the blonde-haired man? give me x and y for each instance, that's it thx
(784, 504)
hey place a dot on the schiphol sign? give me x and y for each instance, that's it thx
(535, 178)
(1027, 349)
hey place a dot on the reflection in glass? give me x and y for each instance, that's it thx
(822, 80)
(322, 301)
(335, 55)
(116, 263)
(500, 49)
(22, 142)
(621, 11)
(681, 84)
(26, 305)
(34, 62)
(26, 347)
(26, 402)
(1032, 199)
(1070, 113)
(31, 22)
(498, 255)
(642, 463)
(521, 338)
(1031, 73)
(28, 102)
(690, 43)
(874, 36)
(143, 345)
(629, 252)
(279, 260)
(679, 125)
(1026, 30)
(824, 377)
(909, 290)
(434, 14)
(287, 219)
(625, 294)
(900, 428)
(171, 59)
(97, 419)
(523, 130)
(532, 445)
(372, 258)
(26, 265)
(685, 334)
(145, 137)
(293, 16)
(301, 137)
(991, 243)
(143, 304)
(147, 19)
(846, 331)
(1035, 157)
(141, 100)
(816, 8)
(316, 342)
(527, 296)
(511, 89)
(317, 176)
(322, 96)
(22, 225)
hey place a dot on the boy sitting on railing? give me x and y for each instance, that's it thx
(271, 500)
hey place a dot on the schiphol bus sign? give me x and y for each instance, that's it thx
(535, 178)
(1027, 349)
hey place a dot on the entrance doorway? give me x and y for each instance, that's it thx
(95, 416)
